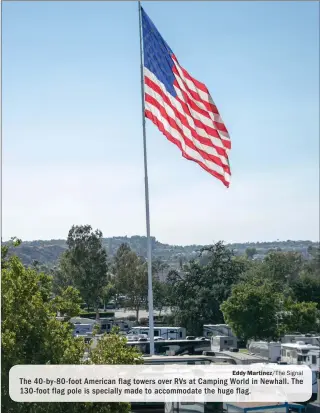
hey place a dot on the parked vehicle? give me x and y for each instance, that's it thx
(167, 333)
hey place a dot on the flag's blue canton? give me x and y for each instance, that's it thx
(157, 54)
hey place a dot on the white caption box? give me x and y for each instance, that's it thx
(161, 383)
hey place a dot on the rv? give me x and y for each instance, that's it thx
(217, 330)
(301, 353)
(241, 358)
(186, 359)
(184, 407)
(307, 339)
(82, 326)
(220, 343)
(269, 351)
(82, 329)
(167, 333)
(123, 325)
(107, 324)
(172, 347)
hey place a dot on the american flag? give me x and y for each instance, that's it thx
(181, 106)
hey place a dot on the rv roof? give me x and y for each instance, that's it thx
(147, 328)
(250, 405)
(183, 357)
(171, 342)
(223, 337)
(301, 346)
(239, 356)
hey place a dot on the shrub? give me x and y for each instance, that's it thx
(92, 315)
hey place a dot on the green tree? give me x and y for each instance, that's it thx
(67, 303)
(252, 310)
(283, 268)
(112, 349)
(160, 295)
(131, 278)
(251, 252)
(63, 276)
(159, 268)
(87, 264)
(302, 317)
(307, 287)
(31, 334)
(200, 288)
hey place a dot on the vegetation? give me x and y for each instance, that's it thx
(259, 299)
(49, 252)
(278, 295)
(85, 264)
(31, 334)
(130, 278)
(201, 287)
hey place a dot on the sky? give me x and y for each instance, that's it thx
(72, 150)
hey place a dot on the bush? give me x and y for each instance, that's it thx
(93, 315)
(132, 318)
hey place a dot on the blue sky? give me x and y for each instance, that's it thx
(72, 137)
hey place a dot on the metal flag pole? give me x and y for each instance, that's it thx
(146, 185)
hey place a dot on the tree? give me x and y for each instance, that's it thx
(202, 285)
(86, 263)
(307, 287)
(120, 269)
(158, 269)
(63, 276)
(67, 303)
(251, 252)
(31, 334)
(302, 317)
(131, 277)
(160, 295)
(283, 267)
(112, 349)
(252, 309)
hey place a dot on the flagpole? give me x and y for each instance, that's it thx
(146, 185)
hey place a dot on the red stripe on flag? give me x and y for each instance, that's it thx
(160, 126)
(203, 140)
(188, 142)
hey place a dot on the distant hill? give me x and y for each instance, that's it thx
(48, 252)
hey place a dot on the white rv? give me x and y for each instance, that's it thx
(220, 343)
(167, 333)
(82, 329)
(123, 325)
(107, 325)
(217, 330)
(82, 326)
(301, 353)
(269, 351)
(307, 339)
